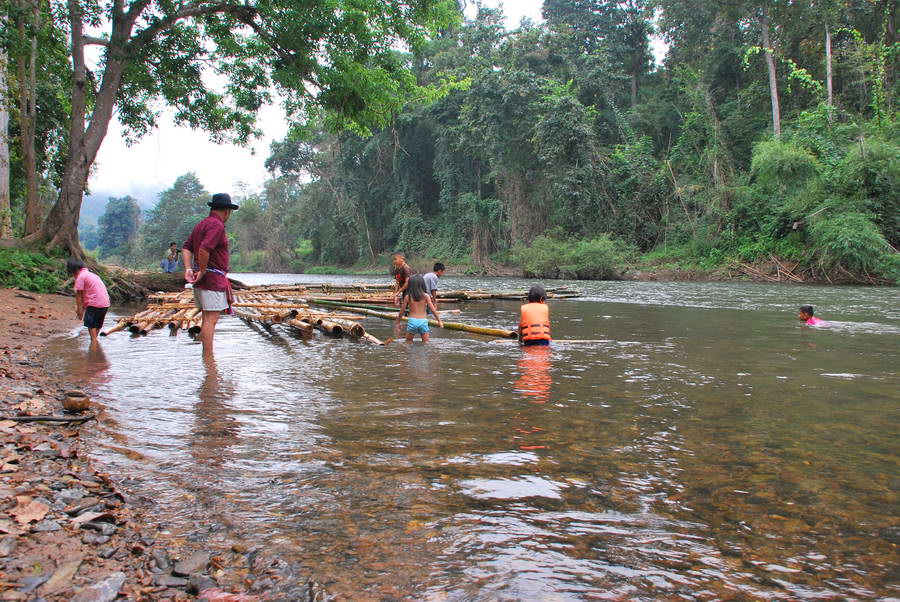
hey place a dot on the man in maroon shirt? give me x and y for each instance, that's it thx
(205, 255)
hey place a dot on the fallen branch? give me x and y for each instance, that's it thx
(61, 419)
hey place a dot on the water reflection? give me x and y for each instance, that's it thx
(534, 374)
(92, 368)
(215, 428)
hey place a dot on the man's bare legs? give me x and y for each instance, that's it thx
(208, 330)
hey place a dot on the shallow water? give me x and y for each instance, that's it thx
(706, 446)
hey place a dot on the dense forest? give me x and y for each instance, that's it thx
(568, 153)
(769, 133)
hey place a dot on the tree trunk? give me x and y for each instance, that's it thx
(770, 62)
(828, 83)
(634, 89)
(61, 226)
(5, 215)
(28, 116)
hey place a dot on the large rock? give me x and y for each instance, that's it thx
(195, 563)
(102, 591)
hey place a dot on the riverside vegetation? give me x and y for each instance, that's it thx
(769, 133)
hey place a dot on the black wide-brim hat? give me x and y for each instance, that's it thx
(222, 200)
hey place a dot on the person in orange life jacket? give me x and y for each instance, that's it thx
(534, 326)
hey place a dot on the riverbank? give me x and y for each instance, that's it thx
(67, 530)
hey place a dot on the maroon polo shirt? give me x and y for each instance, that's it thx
(209, 234)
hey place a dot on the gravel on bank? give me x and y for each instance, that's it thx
(66, 531)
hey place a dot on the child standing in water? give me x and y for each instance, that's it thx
(534, 325)
(91, 297)
(417, 300)
(807, 315)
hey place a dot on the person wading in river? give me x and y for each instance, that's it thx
(205, 255)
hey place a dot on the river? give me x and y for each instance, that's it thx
(706, 445)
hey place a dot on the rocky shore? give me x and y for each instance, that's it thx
(70, 532)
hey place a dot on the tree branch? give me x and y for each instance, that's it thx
(243, 13)
(92, 41)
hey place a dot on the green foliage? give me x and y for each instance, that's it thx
(31, 271)
(171, 220)
(118, 227)
(600, 258)
(853, 242)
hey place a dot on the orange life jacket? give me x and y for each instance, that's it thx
(535, 322)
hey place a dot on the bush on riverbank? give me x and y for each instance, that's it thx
(600, 258)
(31, 271)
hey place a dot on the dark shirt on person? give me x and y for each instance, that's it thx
(402, 274)
(209, 234)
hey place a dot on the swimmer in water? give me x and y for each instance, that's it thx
(807, 315)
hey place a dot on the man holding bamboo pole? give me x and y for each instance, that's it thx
(205, 255)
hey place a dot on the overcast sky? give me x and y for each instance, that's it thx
(160, 157)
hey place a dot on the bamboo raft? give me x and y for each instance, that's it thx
(333, 310)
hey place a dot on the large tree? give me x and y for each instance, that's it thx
(337, 58)
(118, 226)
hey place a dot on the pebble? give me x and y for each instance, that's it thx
(162, 560)
(107, 552)
(102, 591)
(81, 505)
(45, 526)
(8, 545)
(70, 495)
(169, 581)
(195, 563)
(94, 538)
(104, 528)
(199, 583)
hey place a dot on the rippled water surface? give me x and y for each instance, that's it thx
(705, 445)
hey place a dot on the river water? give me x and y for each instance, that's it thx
(705, 445)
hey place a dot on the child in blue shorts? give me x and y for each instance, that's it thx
(417, 300)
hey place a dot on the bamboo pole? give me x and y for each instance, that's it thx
(122, 324)
(304, 327)
(493, 332)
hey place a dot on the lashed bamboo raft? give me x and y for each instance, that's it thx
(339, 308)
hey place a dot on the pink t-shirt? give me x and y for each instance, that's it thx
(95, 294)
(814, 321)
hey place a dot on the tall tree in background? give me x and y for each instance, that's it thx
(336, 57)
(118, 226)
(178, 210)
(769, 50)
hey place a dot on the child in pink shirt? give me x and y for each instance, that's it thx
(806, 315)
(91, 298)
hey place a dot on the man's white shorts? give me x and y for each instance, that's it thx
(210, 300)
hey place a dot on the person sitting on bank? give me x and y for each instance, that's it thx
(401, 272)
(170, 263)
(807, 315)
(91, 297)
(534, 325)
(417, 300)
(431, 280)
